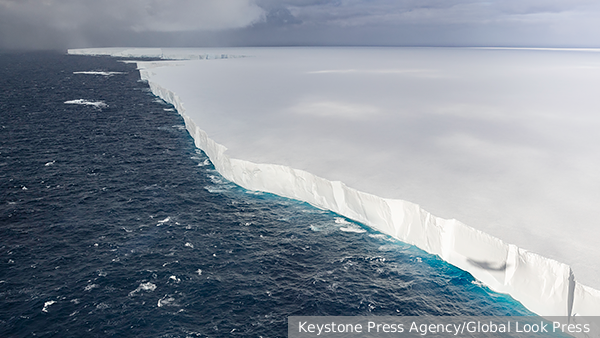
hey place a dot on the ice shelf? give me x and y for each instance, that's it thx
(544, 285)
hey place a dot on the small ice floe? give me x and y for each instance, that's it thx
(175, 279)
(97, 104)
(166, 301)
(49, 163)
(165, 220)
(99, 73)
(199, 272)
(24, 188)
(143, 287)
(47, 304)
(189, 245)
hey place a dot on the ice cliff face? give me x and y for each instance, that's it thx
(545, 286)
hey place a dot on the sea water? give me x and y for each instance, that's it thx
(113, 224)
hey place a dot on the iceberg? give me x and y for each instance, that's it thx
(97, 104)
(476, 135)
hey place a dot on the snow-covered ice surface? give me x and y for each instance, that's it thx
(502, 140)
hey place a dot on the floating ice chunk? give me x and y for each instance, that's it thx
(47, 304)
(165, 220)
(97, 104)
(199, 272)
(49, 163)
(99, 73)
(189, 245)
(175, 279)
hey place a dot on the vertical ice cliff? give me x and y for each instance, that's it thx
(543, 285)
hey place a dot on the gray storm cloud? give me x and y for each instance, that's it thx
(90, 23)
(35, 20)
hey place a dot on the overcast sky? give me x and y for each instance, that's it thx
(41, 24)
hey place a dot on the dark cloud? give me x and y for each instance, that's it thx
(89, 23)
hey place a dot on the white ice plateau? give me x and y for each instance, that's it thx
(504, 140)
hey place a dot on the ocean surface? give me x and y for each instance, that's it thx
(112, 223)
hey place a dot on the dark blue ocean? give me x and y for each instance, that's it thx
(113, 224)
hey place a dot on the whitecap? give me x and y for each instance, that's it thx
(478, 283)
(97, 104)
(90, 287)
(166, 301)
(214, 190)
(189, 245)
(102, 306)
(340, 220)
(353, 228)
(143, 287)
(49, 163)
(215, 179)
(47, 304)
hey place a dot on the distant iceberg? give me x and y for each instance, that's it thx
(477, 135)
(93, 72)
